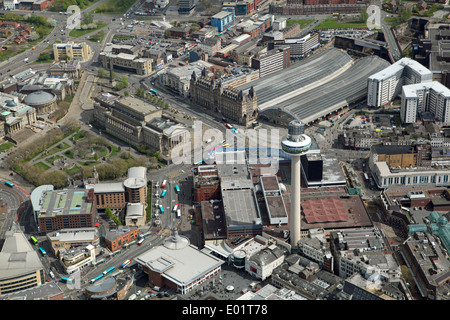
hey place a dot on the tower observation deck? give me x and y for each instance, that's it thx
(296, 142)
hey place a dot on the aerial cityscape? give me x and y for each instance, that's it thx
(207, 150)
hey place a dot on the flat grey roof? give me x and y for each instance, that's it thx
(181, 266)
(109, 187)
(276, 206)
(36, 195)
(316, 86)
(240, 207)
(17, 257)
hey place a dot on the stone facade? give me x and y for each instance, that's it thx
(229, 102)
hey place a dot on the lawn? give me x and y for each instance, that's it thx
(60, 147)
(114, 150)
(78, 136)
(69, 153)
(97, 37)
(302, 22)
(340, 24)
(42, 165)
(79, 32)
(72, 171)
(52, 159)
(6, 146)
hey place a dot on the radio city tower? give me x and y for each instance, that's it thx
(296, 143)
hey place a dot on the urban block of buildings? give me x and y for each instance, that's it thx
(125, 58)
(20, 265)
(138, 123)
(178, 265)
(14, 115)
(386, 85)
(419, 98)
(71, 51)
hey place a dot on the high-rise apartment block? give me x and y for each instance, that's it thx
(272, 61)
(431, 96)
(385, 85)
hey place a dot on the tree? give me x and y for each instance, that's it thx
(126, 93)
(56, 178)
(404, 14)
(140, 92)
(87, 18)
(103, 73)
(34, 36)
(43, 56)
(51, 22)
(363, 15)
(123, 83)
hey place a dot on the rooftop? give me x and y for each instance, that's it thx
(297, 91)
(330, 212)
(401, 65)
(240, 207)
(413, 90)
(65, 202)
(17, 257)
(181, 266)
(108, 187)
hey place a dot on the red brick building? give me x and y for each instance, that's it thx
(117, 238)
(206, 184)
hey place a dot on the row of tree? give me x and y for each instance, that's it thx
(160, 102)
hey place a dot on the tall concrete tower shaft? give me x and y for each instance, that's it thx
(296, 143)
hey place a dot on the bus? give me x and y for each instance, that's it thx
(366, 177)
(229, 126)
(67, 280)
(163, 194)
(177, 189)
(126, 262)
(9, 184)
(178, 213)
(154, 92)
(97, 278)
(43, 251)
(34, 240)
(141, 241)
(163, 185)
(161, 209)
(109, 270)
(175, 208)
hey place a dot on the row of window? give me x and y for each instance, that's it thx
(415, 180)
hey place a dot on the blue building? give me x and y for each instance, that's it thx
(222, 20)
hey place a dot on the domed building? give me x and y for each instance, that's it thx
(42, 101)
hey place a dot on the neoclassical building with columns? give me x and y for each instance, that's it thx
(14, 115)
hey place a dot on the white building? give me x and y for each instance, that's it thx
(77, 259)
(9, 4)
(363, 251)
(161, 3)
(316, 249)
(386, 85)
(302, 46)
(262, 263)
(179, 78)
(430, 96)
(386, 177)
